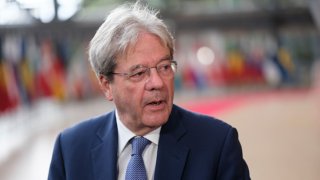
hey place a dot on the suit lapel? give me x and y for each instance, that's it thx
(104, 155)
(172, 156)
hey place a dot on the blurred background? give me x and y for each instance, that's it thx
(252, 63)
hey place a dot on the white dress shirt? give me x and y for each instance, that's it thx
(124, 149)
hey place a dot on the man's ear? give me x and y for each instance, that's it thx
(106, 87)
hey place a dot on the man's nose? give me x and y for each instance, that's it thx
(154, 80)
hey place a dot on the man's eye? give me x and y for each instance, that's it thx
(168, 66)
(138, 74)
(165, 67)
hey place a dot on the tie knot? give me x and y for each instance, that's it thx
(138, 145)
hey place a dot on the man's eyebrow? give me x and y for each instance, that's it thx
(167, 57)
(164, 58)
(134, 67)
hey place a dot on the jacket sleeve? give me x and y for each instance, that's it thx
(231, 164)
(56, 169)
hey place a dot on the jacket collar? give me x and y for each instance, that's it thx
(104, 154)
(172, 154)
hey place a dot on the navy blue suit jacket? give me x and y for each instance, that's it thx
(191, 146)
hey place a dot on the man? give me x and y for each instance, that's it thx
(132, 56)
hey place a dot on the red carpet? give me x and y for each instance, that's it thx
(215, 105)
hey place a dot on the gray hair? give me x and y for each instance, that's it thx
(121, 29)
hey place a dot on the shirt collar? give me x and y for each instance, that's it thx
(124, 134)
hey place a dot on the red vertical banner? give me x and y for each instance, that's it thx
(5, 102)
(9, 96)
(51, 76)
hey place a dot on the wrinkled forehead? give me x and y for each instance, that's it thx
(143, 40)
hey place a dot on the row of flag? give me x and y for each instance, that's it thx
(32, 68)
(230, 60)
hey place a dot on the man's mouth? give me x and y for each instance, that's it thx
(155, 103)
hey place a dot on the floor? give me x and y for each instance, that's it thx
(279, 132)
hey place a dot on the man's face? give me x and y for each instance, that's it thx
(144, 105)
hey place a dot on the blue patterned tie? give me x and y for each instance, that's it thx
(136, 169)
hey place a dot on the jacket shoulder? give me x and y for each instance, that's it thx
(87, 128)
(190, 118)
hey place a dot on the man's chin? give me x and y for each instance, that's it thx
(155, 121)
